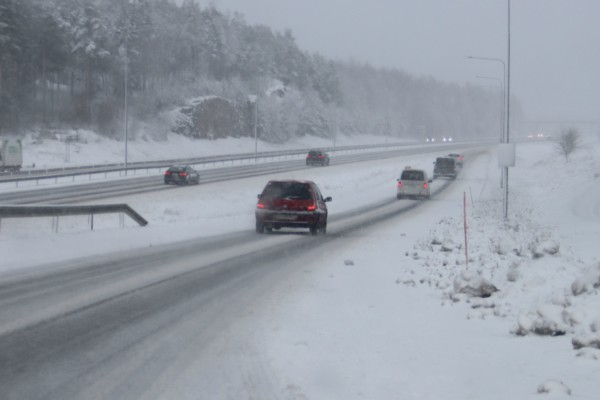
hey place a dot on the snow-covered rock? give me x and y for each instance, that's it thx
(554, 387)
(473, 285)
(548, 320)
(586, 283)
(590, 340)
(550, 247)
(589, 353)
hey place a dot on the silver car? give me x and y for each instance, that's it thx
(413, 183)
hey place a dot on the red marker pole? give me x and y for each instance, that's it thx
(465, 224)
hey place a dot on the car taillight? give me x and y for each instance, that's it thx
(424, 185)
(320, 157)
(260, 205)
(399, 184)
(182, 174)
(167, 172)
(311, 208)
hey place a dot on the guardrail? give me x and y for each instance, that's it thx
(55, 173)
(61, 211)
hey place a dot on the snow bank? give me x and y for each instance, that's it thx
(524, 269)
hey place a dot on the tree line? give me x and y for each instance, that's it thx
(71, 63)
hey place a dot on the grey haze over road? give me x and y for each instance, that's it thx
(555, 43)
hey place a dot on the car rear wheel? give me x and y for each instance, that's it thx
(314, 229)
(399, 196)
(260, 227)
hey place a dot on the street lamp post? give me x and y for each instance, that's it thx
(507, 113)
(126, 95)
(254, 100)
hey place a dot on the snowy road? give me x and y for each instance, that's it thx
(197, 306)
(107, 328)
(101, 186)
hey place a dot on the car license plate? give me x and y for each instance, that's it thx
(286, 217)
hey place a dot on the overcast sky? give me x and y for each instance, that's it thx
(555, 57)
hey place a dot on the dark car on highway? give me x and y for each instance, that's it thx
(291, 204)
(317, 157)
(181, 175)
(444, 167)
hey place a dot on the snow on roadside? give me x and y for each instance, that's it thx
(72, 148)
(526, 269)
(362, 320)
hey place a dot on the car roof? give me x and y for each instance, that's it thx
(179, 166)
(413, 169)
(290, 181)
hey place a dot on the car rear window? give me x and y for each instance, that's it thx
(176, 169)
(314, 153)
(287, 190)
(446, 162)
(412, 175)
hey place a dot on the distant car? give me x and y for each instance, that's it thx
(291, 204)
(444, 167)
(413, 183)
(458, 158)
(317, 157)
(182, 175)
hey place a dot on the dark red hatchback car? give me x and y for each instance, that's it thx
(291, 204)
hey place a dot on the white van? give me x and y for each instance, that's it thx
(11, 154)
(413, 183)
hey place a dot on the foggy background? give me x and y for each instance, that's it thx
(555, 58)
(395, 69)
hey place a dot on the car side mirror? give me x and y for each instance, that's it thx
(431, 180)
(327, 199)
(434, 162)
(258, 196)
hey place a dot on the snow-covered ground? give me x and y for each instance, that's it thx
(80, 147)
(389, 312)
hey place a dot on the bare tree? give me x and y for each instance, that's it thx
(567, 142)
